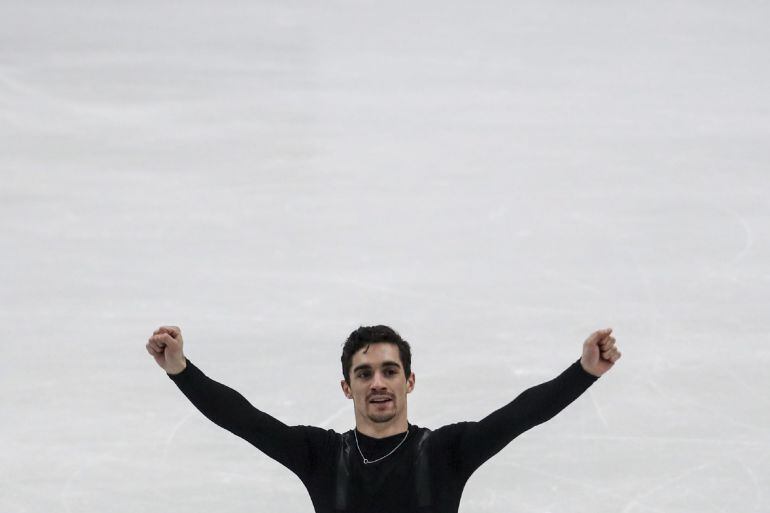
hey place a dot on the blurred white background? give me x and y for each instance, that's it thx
(494, 181)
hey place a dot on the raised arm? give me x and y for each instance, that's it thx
(483, 439)
(229, 409)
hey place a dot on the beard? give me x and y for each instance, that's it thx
(380, 418)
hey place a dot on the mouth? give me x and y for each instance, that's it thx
(380, 400)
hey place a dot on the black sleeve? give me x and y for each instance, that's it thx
(289, 445)
(481, 440)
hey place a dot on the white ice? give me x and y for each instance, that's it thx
(495, 180)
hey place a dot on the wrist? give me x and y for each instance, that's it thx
(587, 370)
(177, 367)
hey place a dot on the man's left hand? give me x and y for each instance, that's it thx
(599, 352)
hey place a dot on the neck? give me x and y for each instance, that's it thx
(382, 429)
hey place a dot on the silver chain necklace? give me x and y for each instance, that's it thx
(366, 462)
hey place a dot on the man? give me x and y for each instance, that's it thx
(385, 464)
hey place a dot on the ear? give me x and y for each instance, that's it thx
(346, 389)
(410, 383)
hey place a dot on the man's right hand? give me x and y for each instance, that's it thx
(165, 345)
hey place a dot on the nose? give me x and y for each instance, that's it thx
(378, 381)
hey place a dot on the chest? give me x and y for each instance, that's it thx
(398, 482)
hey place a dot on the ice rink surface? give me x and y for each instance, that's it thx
(495, 181)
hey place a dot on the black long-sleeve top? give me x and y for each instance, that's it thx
(426, 474)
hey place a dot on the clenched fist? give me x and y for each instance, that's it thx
(599, 352)
(165, 345)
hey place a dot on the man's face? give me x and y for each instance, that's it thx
(378, 385)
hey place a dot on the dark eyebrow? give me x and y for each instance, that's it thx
(388, 363)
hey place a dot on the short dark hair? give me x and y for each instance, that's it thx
(365, 335)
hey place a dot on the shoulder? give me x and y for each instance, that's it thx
(316, 435)
(444, 435)
(451, 429)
